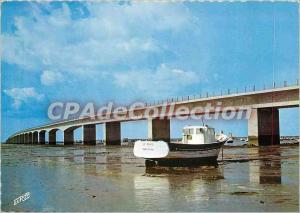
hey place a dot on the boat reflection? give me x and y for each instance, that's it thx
(166, 183)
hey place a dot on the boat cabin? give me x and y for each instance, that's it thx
(198, 135)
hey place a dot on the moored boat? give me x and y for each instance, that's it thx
(229, 140)
(199, 145)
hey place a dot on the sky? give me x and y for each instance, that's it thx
(126, 52)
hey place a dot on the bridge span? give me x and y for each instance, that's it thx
(263, 123)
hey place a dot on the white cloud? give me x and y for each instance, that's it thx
(55, 41)
(49, 77)
(21, 95)
(164, 80)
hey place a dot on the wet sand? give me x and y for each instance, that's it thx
(99, 178)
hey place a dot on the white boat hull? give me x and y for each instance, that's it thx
(193, 154)
(162, 153)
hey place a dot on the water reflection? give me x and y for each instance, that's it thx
(112, 179)
(270, 168)
(79, 156)
(154, 188)
(114, 163)
(94, 161)
(163, 185)
(267, 169)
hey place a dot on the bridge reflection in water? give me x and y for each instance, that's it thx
(265, 164)
(268, 169)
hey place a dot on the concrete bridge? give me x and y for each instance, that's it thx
(263, 123)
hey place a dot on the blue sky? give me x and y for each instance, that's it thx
(124, 52)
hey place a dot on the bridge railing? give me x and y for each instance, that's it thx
(253, 88)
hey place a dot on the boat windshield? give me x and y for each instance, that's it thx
(188, 131)
(199, 131)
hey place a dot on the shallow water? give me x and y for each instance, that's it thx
(99, 178)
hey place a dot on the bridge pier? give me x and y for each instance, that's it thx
(69, 137)
(21, 139)
(112, 133)
(52, 137)
(263, 127)
(159, 129)
(25, 138)
(42, 137)
(89, 134)
(30, 138)
(35, 137)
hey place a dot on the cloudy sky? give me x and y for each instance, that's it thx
(124, 52)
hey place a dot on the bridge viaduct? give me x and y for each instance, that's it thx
(263, 123)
